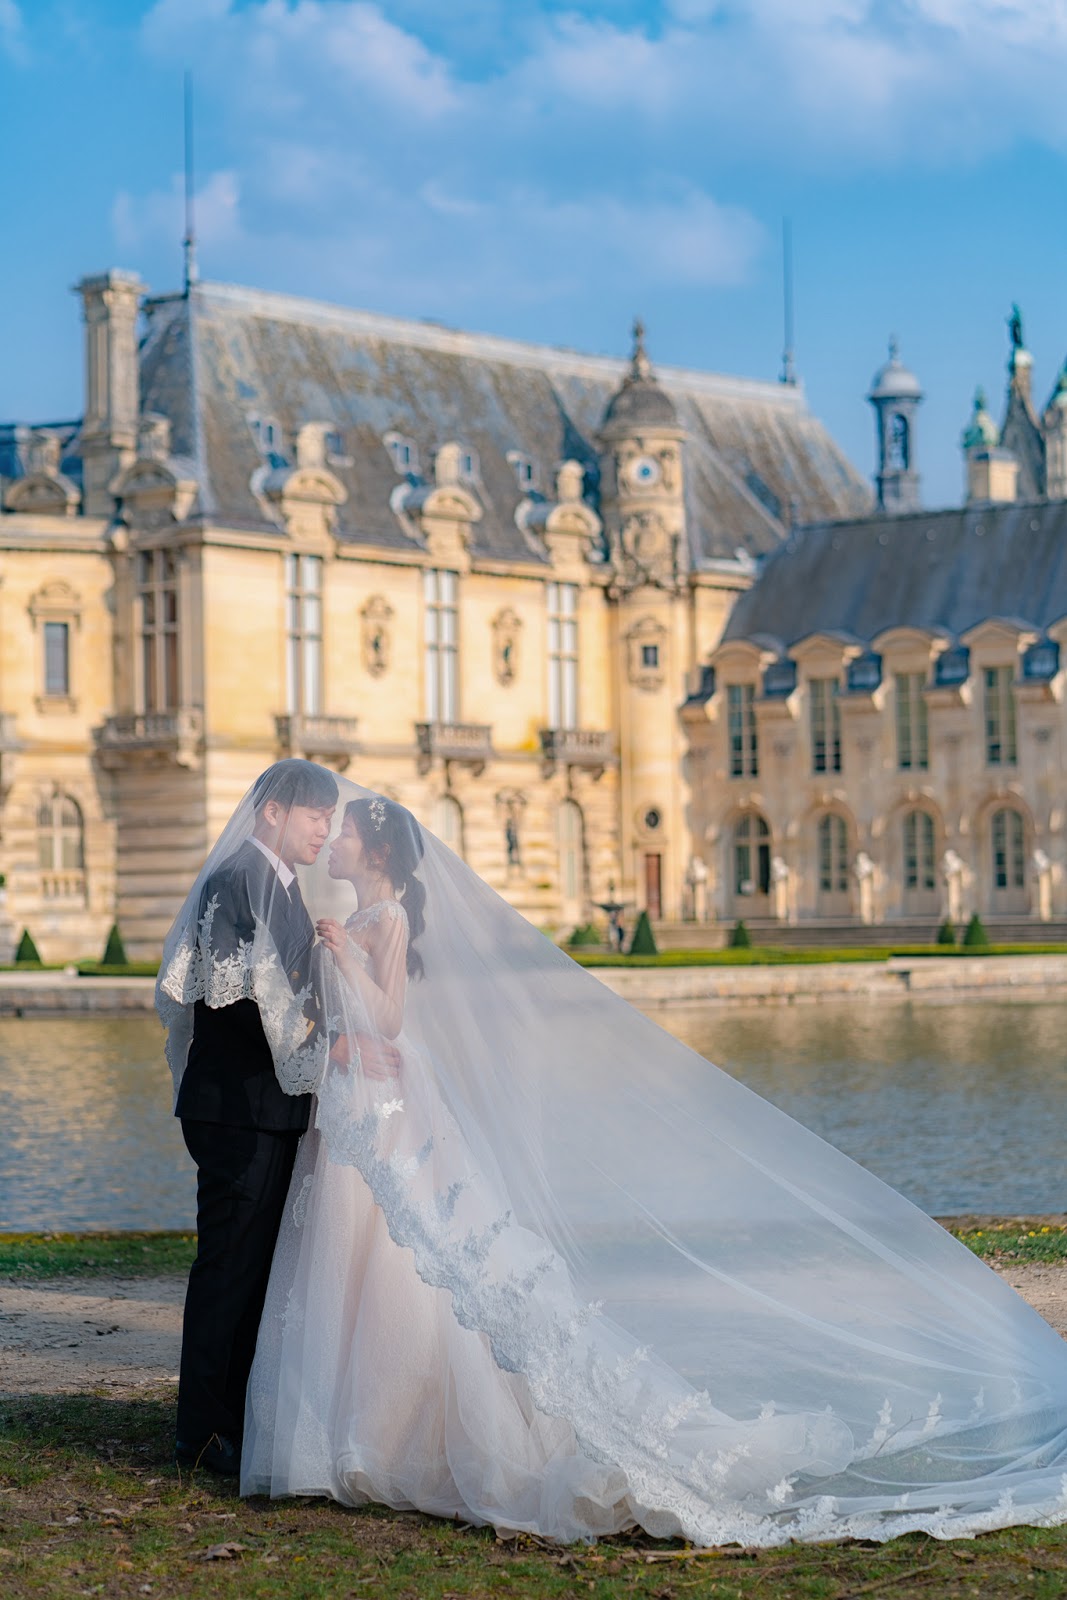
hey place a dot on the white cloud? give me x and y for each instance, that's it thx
(13, 33)
(834, 83)
(334, 46)
(159, 217)
(361, 160)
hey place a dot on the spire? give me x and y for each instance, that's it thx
(640, 365)
(788, 374)
(896, 394)
(189, 242)
(639, 402)
(981, 430)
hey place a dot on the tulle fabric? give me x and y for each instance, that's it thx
(563, 1275)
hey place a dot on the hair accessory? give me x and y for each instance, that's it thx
(377, 811)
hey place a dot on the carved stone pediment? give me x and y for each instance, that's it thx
(48, 494)
(56, 601)
(152, 494)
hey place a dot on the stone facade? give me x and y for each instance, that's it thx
(884, 729)
(479, 576)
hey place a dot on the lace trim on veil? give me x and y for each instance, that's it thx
(252, 971)
(575, 1370)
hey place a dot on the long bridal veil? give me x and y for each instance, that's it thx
(714, 1323)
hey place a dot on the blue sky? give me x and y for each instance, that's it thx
(546, 170)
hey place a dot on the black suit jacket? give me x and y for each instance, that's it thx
(229, 1077)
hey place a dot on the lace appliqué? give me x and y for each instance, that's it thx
(252, 971)
(300, 1204)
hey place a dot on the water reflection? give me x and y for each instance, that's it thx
(88, 1138)
(962, 1106)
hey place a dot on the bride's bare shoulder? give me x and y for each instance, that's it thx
(382, 912)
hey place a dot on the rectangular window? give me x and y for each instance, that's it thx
(57, 658)
(741, 717)
(913, 736)
(919, 872)
(440, 590)
(1000, 738)
(562, 601)
(825, 725)
(303, 643)
(158, 585)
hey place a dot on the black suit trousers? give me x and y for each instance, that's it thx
(242, 1181)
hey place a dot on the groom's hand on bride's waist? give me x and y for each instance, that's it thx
(376, 1058)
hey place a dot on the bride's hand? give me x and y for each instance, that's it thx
(332, 934)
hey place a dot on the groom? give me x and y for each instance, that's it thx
(239, 1127)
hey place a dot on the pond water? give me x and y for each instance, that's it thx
(963, 1107)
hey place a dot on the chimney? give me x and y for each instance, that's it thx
(109, 427)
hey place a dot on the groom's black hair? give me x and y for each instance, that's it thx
(294, 783)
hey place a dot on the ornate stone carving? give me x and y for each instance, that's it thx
(646, 556)
(44, 489)
(645, 652)
(507, 628)
(377, 616)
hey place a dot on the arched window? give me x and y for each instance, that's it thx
(571, 851)
(448, 823)
(833, 854)
(919, 868)
(899, 444)
(61, 848)
(752, 855)
(1009, 858)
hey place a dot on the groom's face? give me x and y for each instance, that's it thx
(301, 831)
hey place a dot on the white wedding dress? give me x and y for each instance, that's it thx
(563, 1275)
(365, 1386)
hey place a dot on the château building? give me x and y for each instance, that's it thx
(481, 576)
(882, 732)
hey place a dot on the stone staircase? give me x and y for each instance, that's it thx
(838, 935)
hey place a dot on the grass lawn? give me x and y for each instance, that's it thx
(153, 1255)
(781, 956)
(90, 1504)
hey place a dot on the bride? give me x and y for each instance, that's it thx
(545, 1268)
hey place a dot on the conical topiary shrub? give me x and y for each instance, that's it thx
(114, 951)
(946, 934)
(975, 937)
(643, 942)
(27, 954)
(739, 939)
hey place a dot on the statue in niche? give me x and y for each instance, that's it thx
(377, 615)
(507, 626)
(512, 802)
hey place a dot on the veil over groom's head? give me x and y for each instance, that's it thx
(294, 782)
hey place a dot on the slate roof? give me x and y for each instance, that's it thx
(937, 570)
(756, 457)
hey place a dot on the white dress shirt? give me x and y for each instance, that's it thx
(286, 874)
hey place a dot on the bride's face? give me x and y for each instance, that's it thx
(346, 852)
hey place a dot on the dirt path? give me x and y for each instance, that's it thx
(64, 1337)
(124, 1334)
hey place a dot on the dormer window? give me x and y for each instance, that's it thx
(333, 443)
(267, 433)
(404, 451)
(524, 470)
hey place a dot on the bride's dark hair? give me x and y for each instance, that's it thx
(393, 838)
